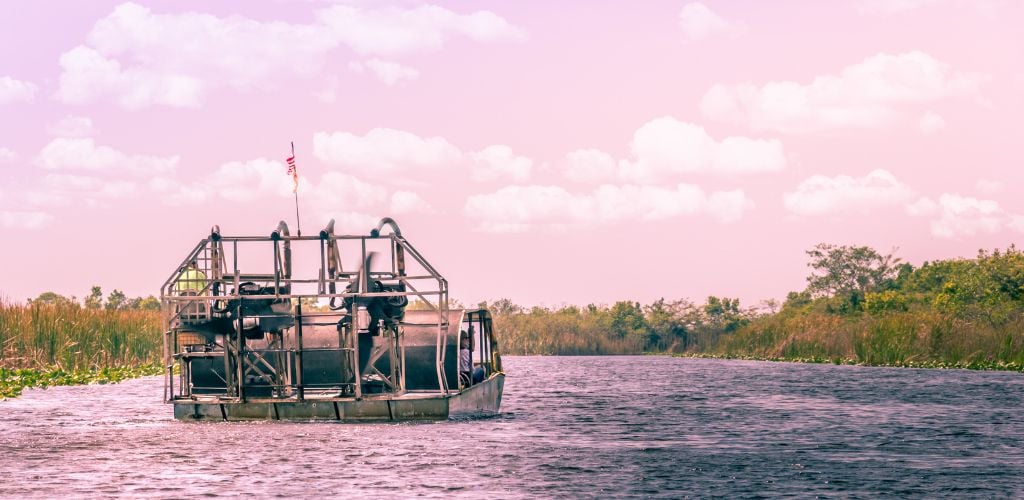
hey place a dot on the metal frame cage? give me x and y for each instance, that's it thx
(239, 328)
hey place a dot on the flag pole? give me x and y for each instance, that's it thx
(298, 222)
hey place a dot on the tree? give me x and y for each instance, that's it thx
(847, 270)
(51, 299)
(95, 298)
(116, 300)
(150, 303)
(627, 320)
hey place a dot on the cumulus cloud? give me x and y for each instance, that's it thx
(698, 22)
(387, 72)
(922, 207)
(72, 127)
(337, 191)
(666, 147)
(65, 153)
(20, 219)
(384, 150)
(12, 90)
(137, 58)
(821, 195)
(519, 208)
(498, 162)
(394, 31)
(244, 181)
(87, 75)
(407, 202)
(966, 216)
(865, 95)
(7, 155)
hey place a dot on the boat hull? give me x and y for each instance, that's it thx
(480, 400)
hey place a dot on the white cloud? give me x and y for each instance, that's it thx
(498, 162)
(83, 154)
(7, 155)
(519, 208)
(922, 207)
(139, 58)
(931, 123)
(407, 202)
(384, 151)
(24, 219)
(61, 190)
(821, 195)
(72, 126)
(698, 22)
(87, 76)
(387, 72)
(865, 95)
(337, 191)
(966, 216)
(666, 148)
(12, 90)
(244, 181)
(989, 186)
(235, 181)
(393, 31)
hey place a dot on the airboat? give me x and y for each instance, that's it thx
(366, 334)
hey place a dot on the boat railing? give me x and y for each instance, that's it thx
(209, 320)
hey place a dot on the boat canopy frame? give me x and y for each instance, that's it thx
(208, 287)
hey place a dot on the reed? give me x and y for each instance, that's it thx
(69, 337)
(922, 337)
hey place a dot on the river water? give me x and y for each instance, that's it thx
(571, 426)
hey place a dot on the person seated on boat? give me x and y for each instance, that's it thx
(465, 356)
(191, 281)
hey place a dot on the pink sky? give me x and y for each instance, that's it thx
(548, 152)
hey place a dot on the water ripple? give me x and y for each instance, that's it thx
(571, 427)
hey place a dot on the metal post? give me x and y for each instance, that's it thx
(239, 353)
(298, 352)
(353, 341)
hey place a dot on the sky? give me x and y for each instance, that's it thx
(551, 153)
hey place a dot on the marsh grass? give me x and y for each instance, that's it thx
(921, 338)
(53, 343)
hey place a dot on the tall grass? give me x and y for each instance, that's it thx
(69, 337)
(898, 338)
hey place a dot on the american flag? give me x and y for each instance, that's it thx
(294, 171)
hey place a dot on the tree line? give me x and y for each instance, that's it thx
(859, 305)
(115, 301)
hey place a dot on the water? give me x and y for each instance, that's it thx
(571, 427)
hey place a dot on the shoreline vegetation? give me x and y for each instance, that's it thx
(859, 307)
(55, 340)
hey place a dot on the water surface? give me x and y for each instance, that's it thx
(571, 426)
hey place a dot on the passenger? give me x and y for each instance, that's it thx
(192, 281)
(465, 356)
